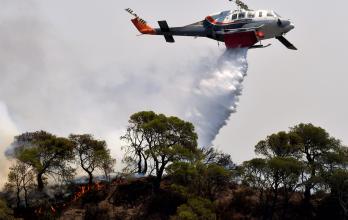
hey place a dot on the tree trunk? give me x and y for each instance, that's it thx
(26, 197)
(307, 194)
(307, 206)
(275, 195)
(159, 174)
(145, 164)
(90, 179)
(107, 176)
(140, 158)
(18, 197)
(40, 184)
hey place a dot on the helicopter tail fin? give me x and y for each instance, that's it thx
(140, 23)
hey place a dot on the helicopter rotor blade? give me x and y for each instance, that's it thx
(241, 4)
(286, 43)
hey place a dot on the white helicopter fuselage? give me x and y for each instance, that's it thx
(266, 21)
(237, 28)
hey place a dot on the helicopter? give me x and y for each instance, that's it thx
(240, 28)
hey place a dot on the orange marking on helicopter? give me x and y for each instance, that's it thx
(143, 27)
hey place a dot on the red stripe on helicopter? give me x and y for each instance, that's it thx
(241, 39)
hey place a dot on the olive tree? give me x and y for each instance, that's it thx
(161, 139)
(20, 181)
(46, 154)
(91, 154)
(317, 150)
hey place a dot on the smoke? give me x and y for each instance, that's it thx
(7, 131)
(49, 82)
(215, 96)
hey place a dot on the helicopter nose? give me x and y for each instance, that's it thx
(287, 26)
(291, 26)
(285, 22)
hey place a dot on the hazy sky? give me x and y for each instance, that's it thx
(79, 66)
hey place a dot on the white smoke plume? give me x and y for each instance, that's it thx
(7, 131)
(215, 96)
(49, 82)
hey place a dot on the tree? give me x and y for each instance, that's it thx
(278, 172)
(280, 144)
(254, 174)
(337, 181)
(199, 179)
(275, 175)
(195, 209)
(304, 157)
(284, 176)
(316, 147)
(213, 156)
(46, 154)
(163, 139)
(136, 143)
(20, 181)
(92, 154)
(107, 165)
(15, 183)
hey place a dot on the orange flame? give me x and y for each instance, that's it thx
(87, 188)
(82, 190)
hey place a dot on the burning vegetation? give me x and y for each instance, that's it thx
(299, 174)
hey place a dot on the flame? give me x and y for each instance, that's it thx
(87, 188)
(82, 190)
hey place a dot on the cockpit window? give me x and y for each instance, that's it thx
(234, 16)
(260, 14)
(270, 14)
(251, 14)
(241, 15)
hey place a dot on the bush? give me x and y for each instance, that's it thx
(130, 194)
(196, 208)
(5, 212)
(165, 203)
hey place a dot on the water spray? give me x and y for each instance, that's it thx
(216, 96)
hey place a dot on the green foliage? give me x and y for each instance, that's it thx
(20, 182)
(287, 170)
(197, 178)
(319, 152)
(162, 139)
(46, 154)
(315, 144)
(213, 156)
(254, 173)
(272, 173)
(200, 181)
(196, 208)
(107, 165)
(92, 154)
(338, 184)
(281, 144)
